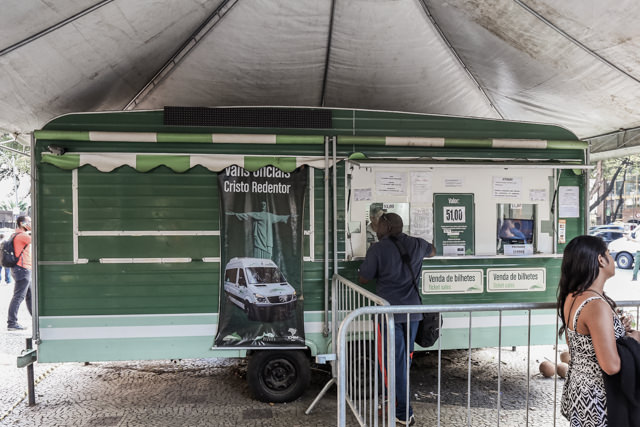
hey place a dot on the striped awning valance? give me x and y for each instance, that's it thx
(144, 162)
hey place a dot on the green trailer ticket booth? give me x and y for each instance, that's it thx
(207, 232)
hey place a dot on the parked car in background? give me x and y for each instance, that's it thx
(628, 226)
(618, 228)
(609, 236)
(624, 249)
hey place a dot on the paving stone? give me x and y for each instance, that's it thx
(214, 392)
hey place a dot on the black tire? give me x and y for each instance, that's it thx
(624, 260)
(278, 375)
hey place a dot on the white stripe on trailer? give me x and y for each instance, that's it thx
(160, 331)
(139, 233)
(120, 317)
(227, 138)
(113, 332)
(144, 260)
(494, 321)
(404, 141)
(123, 136)
(519, 143)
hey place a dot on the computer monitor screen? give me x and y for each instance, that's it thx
(514, 230)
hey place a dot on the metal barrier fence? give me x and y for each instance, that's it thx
(346, 297)
(360, 350)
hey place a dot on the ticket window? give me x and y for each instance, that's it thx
(376, 210)
(516, 233)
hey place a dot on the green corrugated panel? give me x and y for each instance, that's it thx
(111, 289)
(313, 286)
(156, 200)
(286, 164)
(128, 200)
(55, 219)
(145, 163)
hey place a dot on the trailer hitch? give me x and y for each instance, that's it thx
(28, 357)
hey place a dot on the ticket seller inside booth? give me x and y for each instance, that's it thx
(516, 229)
(478, 211)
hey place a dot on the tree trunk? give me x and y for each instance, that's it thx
(608, 188)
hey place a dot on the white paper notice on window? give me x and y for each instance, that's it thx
(391, 183)
(537, 195)
(569, 202)
(453, 182)
(421, 187)
(360, 194)
(421, 223)
(506, 187)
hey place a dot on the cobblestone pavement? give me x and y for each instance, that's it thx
(214, 392)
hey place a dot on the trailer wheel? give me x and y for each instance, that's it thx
(624, 260)
(278, 376)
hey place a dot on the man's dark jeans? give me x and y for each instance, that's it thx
(21, 291)
(402, 347)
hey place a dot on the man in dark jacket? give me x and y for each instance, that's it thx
(398, 281)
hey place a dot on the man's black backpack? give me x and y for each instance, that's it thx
(9, 258)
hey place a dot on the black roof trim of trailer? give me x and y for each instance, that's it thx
(251, 117)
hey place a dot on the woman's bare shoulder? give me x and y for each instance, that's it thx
(596, 308)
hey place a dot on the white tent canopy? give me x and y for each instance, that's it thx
(575, 63)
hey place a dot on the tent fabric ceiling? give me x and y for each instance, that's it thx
(574, 63)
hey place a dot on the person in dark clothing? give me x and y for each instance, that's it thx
(6, 274)
(623, 388)
(396, 282)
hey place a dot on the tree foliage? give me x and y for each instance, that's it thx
(606, 174)
(15, 164)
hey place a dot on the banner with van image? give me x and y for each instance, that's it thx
(261, 231)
